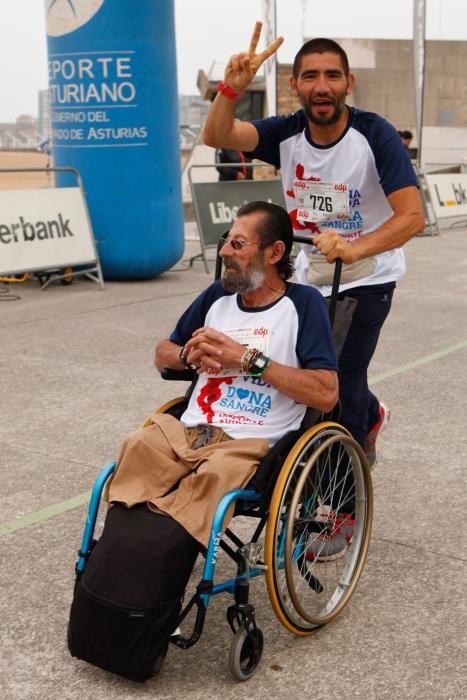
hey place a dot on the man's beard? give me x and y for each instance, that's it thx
(339, 106)
(250, 279)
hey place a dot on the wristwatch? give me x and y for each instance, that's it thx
(259, 366)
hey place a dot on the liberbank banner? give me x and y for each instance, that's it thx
(113, 90)
(448, 193)
(44, 229)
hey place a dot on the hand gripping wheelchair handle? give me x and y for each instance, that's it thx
(335, 282)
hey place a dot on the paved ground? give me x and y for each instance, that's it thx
(77, 374)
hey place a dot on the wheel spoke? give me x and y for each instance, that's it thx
(323, 510)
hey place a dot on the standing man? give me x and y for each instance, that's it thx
(349, 183)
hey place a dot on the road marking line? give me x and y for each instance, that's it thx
(76, 501)
(424, 360)
(44, 514)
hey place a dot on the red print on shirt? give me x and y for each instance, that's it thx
(296, 224)
(210, 393)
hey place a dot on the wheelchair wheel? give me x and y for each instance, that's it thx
(245, 652)
(318, 528)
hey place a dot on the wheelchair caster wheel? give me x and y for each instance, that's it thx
(245, 653)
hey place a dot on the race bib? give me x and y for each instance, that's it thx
(321, 201)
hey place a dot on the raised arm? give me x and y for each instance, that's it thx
(221, 129)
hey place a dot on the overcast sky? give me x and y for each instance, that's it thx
(208, 30)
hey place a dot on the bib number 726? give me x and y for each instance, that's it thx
(320, 203)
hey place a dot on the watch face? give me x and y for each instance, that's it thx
(259, 364)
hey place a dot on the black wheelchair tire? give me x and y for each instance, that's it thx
(281, 555)
(245, 652)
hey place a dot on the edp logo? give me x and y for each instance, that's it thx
(64, 16)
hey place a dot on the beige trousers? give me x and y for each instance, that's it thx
(155, 459)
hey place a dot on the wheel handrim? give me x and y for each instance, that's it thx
(320, 526)
(277, 584)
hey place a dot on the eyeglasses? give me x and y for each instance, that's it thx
(236, 243)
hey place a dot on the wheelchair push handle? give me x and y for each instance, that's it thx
(335, 290)
(336, 279)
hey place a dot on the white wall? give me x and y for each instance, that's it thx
(443, 144)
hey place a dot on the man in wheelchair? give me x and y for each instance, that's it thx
(263, 351)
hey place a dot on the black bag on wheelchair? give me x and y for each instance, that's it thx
(127, 602)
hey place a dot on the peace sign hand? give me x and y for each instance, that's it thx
(242, 67)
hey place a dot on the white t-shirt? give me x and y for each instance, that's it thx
(294, 331)
(369, 157)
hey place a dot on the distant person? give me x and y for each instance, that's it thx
(324, 149)
(406, 137)
(236, 172)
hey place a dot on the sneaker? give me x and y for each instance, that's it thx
(370, 440)
(327, 547)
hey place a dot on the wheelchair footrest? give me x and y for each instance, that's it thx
(186, 643)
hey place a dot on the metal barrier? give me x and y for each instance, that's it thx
(431, 220)
(448, 192)
(42, 245)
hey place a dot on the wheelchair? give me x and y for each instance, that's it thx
(313, 486)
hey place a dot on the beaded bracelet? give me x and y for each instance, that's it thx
(248, 359)
(183, 361)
